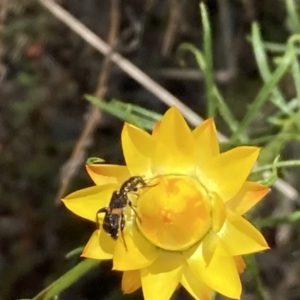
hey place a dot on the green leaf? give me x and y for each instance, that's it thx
(94, 160)
(74, 252)
(127, 112)
(186, 47)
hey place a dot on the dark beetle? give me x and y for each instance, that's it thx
(114, 219)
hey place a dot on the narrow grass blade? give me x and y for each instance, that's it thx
(293, 18)
(264, 70)
(208, 71)
(130, 113)
(262, 96)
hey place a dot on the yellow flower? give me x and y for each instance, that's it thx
(186, 225)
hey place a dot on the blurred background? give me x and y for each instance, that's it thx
(45, 70)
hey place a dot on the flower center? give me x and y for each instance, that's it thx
(175, 213)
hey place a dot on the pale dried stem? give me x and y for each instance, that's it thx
(129, 68)
(124, 64)
(77, 157)
(225, 27)
(168, 40)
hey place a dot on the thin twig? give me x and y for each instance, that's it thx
(123, 63)
(226, 31)
(220, 76)
(77, 157)
(142, 78)
(168, 40)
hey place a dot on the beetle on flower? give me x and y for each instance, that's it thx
(190, 229)
(114, 219)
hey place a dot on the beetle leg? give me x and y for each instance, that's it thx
(132, 207)
(101, 210)
(122, 226)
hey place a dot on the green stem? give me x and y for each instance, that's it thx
(207, 51)
(253, 271)
(291, 9)
(282, 164)
(273, 221)
(66, 280)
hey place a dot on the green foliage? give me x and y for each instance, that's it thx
(127, 112)
(279, 129)
(66, 280)
(94, 160)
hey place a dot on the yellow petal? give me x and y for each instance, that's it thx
(240, 263)
(240, 236)
(155, 129)
(226, 173)
(198, 289)
(100, 246)
(87, 202)
(206, 141)
(138, 149)
(160, 280)
(250, 194)
(209, 246)
(218, 212)
(136, 253)
(176, 147)
(220, 275)
(103, 174)
(131, 281)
